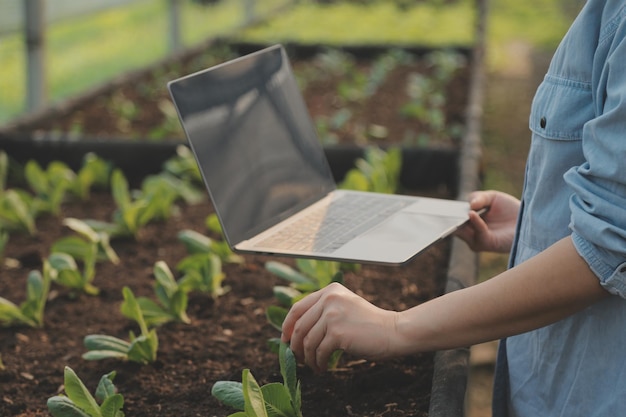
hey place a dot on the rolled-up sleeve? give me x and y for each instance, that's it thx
(598, 201)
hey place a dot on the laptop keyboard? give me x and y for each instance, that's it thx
(327, 228)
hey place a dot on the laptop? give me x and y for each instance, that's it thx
(270, 183)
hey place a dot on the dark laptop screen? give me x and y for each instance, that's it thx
(254, 141)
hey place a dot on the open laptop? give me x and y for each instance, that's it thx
(270, 183)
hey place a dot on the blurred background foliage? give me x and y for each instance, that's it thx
(87, 50)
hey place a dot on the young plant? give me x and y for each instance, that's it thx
(196, 242)
(202, 272)
(31, 311)
(183, 165)
(312, 276)
(78, 401)
(65, 272)
(172, 300)
(94, 172)
(141, 349)
(274, 399)
(50, 185)
(378, 171)
(17, 212)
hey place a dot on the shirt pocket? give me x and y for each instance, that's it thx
(558, 114)
(560, 109)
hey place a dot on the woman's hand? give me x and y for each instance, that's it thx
(493, 231)
(336, 318)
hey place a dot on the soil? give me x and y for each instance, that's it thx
(140, 108)
(226, 334)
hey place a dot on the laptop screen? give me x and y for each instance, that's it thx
(254, 141)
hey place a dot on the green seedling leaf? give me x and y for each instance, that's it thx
(254, 403)
(112, 406)
(80, 403)
(61, 406)
(195, 242)
(277, 401)
(286, 296)
(78, 393)
(229, 393)
(15, 212)
(101, 342)
(288, 273)
(276, 316)
(287, 362)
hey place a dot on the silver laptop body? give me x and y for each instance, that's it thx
(269, 181)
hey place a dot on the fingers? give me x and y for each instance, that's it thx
(305, 328)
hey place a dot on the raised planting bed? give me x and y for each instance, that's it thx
(229, 333)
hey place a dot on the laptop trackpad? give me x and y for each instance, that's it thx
(412, 227)
(400, 237)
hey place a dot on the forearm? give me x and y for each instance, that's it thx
(551, 286)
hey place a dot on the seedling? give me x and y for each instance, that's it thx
(196, 242)
(51, 185)
(428, 94)
(65, 271)
(31, 311)
(17, 212)
(141, 349)
(312, 276)
(274, 399)
(89, 246)
(202, 272)
(172, 300)
(78, 401)
(378, 171)
(183, 165)
(94, 172)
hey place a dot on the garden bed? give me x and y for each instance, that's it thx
(229, 333)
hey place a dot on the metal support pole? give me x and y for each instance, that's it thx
(34, 38)
(175, 41)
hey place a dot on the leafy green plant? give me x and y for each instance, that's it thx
(95, 172)
(172, 300)
(427, 94)
(273, 399)
(141, 349)
(17, 212)
(31, 311)
(50, 185)
(183, 165)
(79, 402)
(89, 245)
(202, 272)
(65, 272)
(196, 242)
(378, 171)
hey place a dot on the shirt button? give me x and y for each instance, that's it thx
(543, 122)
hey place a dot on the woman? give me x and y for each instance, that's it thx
(559, 309)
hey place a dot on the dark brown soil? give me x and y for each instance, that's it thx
(227, 334)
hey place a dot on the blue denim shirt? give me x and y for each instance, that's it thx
(575, 185)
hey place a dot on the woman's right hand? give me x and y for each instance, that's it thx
(494, 230)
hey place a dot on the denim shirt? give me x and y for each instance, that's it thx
(575, 185)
